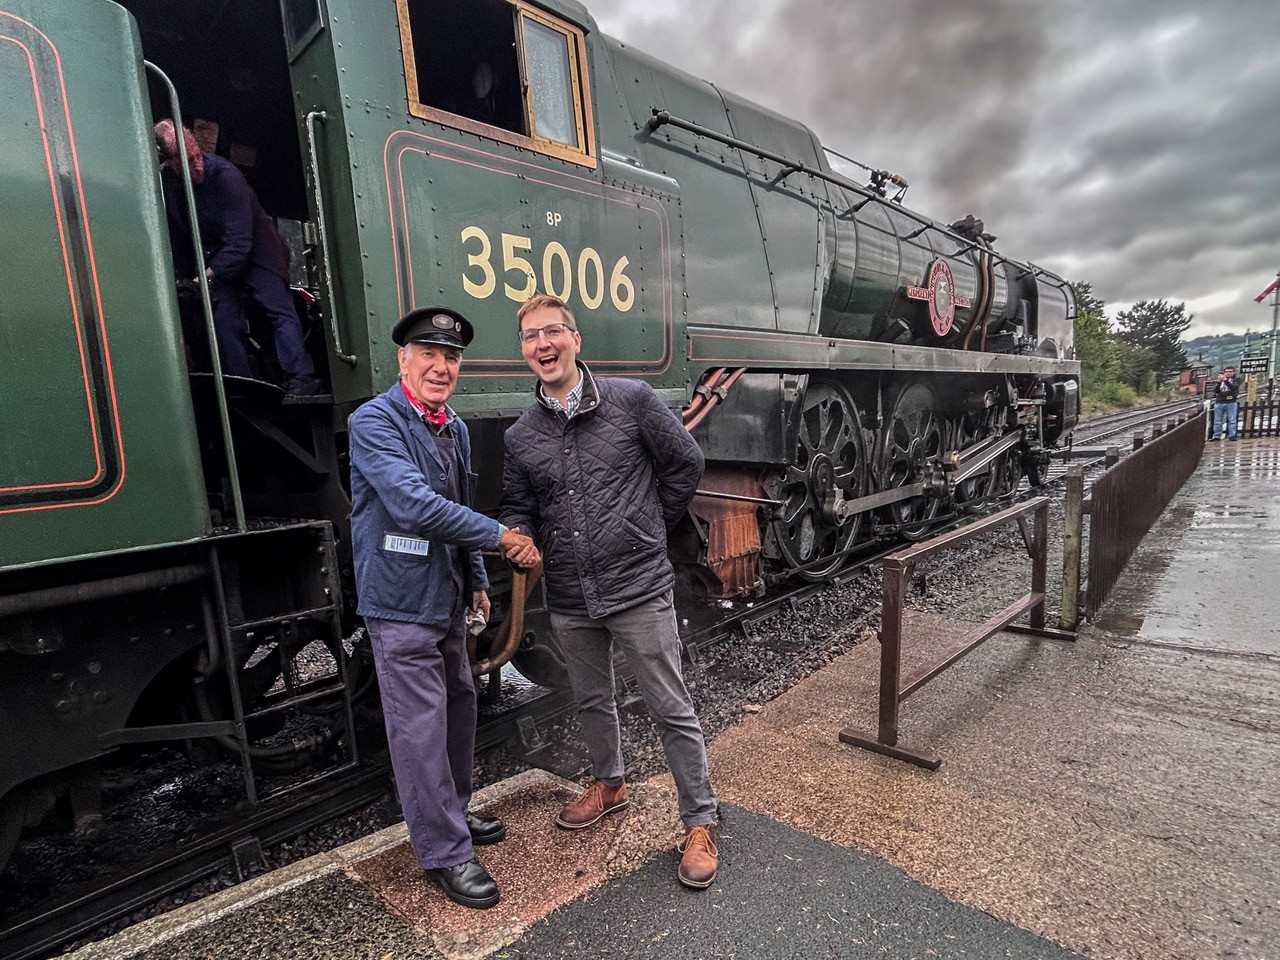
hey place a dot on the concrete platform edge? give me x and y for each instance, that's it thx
(156, 931)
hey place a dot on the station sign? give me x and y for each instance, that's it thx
(1254, 364)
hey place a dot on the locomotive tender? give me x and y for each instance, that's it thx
(169, 541)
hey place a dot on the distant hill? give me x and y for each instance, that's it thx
(1226, 348)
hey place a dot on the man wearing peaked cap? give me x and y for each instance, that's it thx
(438, 325)
(417, 546)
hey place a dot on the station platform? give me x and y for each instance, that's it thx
(1111, 797)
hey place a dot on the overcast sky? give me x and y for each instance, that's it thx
(1134, 144)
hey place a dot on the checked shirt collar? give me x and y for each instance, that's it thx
(570, 405)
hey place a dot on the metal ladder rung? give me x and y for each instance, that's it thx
(314, 613)
(295, 701)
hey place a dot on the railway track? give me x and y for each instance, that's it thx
(1101, 428)
(41, 932)
(1092, 432)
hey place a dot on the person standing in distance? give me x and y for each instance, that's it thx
(417, 546)
(1226, 407)
(598, 470)
(244, 256)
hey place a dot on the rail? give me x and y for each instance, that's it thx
(897, 573)
(1127, 500)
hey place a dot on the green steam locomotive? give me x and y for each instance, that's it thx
(171, 540)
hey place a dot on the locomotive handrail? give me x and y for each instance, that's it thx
(206, 302)
(511, 633)
(662, 117)
(326, 270)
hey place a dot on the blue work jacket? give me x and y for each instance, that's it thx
(400, 519)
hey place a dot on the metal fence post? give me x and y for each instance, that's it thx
(897, 571)
(895, 591)
(1040, 565)
(1072, 541)
(1113, 456)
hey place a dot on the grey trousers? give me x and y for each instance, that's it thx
(650, 638)
(429, 704)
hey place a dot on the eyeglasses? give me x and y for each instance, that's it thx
(551, 331)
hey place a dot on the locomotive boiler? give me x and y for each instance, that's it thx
(172, 540)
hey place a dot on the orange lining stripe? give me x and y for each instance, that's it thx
(97, 290)
(71, 294)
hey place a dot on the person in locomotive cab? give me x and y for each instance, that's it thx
(244, 258)
(600, 470)
(417, 549)
(1226, 396)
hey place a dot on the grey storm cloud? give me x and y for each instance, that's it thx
(1133, 145)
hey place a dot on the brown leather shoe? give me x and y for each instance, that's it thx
(596, 801)
(700, 859)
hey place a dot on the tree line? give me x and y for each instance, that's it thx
(1134, 357)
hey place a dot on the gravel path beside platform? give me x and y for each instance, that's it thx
(333, 916)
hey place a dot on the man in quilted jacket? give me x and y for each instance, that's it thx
(597, 472)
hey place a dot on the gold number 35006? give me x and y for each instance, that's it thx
(557, 272)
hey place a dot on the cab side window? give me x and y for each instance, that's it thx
(502, 69)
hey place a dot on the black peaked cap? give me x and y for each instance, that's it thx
(439, 325)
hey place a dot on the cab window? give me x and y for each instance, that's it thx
(500, 68)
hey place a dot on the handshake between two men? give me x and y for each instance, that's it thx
(519, 548)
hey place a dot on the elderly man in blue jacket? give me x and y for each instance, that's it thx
(417, 546)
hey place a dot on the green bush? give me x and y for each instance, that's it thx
(1115, 394)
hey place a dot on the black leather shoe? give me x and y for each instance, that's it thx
(468, 884)
(485, 829)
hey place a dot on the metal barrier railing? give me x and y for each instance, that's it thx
(897, 573)
(1124, 504)
(1258, 419)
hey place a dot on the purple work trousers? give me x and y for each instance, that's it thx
(429, 704)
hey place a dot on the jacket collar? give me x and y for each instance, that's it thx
(417, 429)
(590, 393)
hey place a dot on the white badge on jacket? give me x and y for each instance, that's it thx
(396, 543)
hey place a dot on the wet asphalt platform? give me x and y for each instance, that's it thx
(1114, 797)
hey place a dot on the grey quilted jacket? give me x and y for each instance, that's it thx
(598, 492)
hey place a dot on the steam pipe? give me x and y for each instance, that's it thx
(693, 422)
(660, 118)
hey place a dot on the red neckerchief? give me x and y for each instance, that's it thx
(437, 418)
